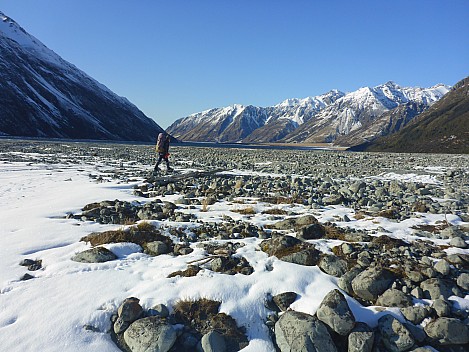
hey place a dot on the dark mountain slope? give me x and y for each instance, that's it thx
(388, 123)
(444, 128)
(42, 95)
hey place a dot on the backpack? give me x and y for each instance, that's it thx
(160, 143)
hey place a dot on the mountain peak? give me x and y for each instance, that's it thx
(46, 96)
(390, 84)
(11, 30)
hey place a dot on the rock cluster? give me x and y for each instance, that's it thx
(193, 326)
(32, 265)
(334, 328)
(120, 212)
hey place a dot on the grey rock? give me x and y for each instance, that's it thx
(189, 342)
(120, 325)
(442, 267)
(449, 232)
(295, 223)
(415, 276)
(434, 288)
(130, 310)
(372, 282)
(335, 312)
(94, 255)
(417, 292)
(417, 333)
(463, 281)
(394, 298)
(217, 265)
(416, 314)
(32, 264)
(301, 332)
(159, 310)
(394, 335)
(213, 341)
(458, 259)
(356, 186)
(458, 242)
(333, 199)
(306, 257)
(361, 338)
(448, 331)
(312, 232)
(442, 307)
(345, 281)
(156, 248)
(347, 248)
(333, 265)
(150, 334)
(26, 277)
(284, 300)
(364, 259)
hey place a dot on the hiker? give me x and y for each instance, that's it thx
(162, 148)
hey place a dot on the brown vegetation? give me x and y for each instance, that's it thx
(139, 234)
(203, 316)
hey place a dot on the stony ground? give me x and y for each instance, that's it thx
(391, 230)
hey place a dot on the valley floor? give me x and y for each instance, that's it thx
(68, 305)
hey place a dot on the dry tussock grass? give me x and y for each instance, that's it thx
(245, 211)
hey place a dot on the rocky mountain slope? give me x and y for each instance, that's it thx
(386, 124)
(42, 95)
(359, 111)
(444, 128)
(250, 123)
(363, 115)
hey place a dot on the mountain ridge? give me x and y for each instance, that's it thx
(43, 95)
(443, 128)
(320, 119)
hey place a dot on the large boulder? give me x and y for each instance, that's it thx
(295, 223)
(312, 232)
(361, 338)
(284, 300)
(463, 281)
(308, 257)
(333, 265)
(156, 248)
(434, 288)
(394, 298)
(296, 331)
(150, 334)
(94, 255)
(129, 311)
(345, 281)
(212, 342)
(335, 312)
(372, 282)
(394, 335)
(448, 331)
(291, 249)
(416, 314)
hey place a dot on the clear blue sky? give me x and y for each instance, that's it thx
(172, 58)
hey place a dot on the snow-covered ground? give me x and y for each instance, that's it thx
(51, 311)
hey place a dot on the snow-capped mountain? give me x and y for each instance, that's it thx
(360, 109)
(42, 95)
(250, 123)
(314, 119)
(388, 123)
